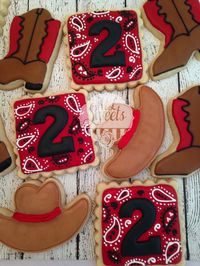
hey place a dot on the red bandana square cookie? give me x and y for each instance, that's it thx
(138, 224)
(105, 48)
(53, 133)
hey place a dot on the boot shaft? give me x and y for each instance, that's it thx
(173, 17)
(33, 36)
(179, 15)
(192, 96)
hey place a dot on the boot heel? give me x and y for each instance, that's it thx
(5, 164)
(33, 86)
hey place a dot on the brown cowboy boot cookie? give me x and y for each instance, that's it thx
(177, 24)
(7, 158)
(34, 43)
(183, 157)
(41, 219)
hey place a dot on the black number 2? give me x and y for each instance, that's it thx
(46, 146)
(98, 58)
(131, 246)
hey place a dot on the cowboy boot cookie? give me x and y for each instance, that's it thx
(34, 43)
(183, 157)
(179, 23)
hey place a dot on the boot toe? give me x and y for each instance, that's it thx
(179, 163)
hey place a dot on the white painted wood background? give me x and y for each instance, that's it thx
(82, 247)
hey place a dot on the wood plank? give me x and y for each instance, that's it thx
(59, 83)
(90, 178)
(166, 89)
(189, 78)
(10, 182)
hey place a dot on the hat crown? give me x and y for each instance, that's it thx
(33, 199)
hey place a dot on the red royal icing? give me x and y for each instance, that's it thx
(82, 45)
(37, 218)
(15, 34)
(158, 21)
(195, 8)
(130, 133)
(179, 116)
(50, 40)
(166, 226)
(28, 134)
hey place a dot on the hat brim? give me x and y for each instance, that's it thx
(37, 237)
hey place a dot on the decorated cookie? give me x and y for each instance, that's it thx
(177, 24)
(35, 39)
(138, 224)
(4, 5)
(104, 50)
(117, 119)
(7, 158)
(138, 146)
(41, 220)
(183, 157)
(53, 134)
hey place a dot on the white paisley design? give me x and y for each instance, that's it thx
(77, 23)
(115, 221)
(107, 198)
(118, 19)
(77, 109)
(134, 261)
(126, 193)
(80, 50)
(157, 227)
(24, 109)
(132, 59)
(169, 199)
(86, 155)
(168, 259)
(101, 14)
(135, 70)
(114, 74)
(151, 260)
(35, 164)
(127, 223)
(130, 38)
(25, 140)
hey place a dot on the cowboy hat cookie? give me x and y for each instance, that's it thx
(7, 158)
(41, 220)
(183, 157)
(53, 134)
(177, 24)
(138, 146)
(4, 5)
(35, 39)
(104, 50)
(139, 224)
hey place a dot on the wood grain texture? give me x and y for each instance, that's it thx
(82, 247)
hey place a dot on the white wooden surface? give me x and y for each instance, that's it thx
(81, 247)
(64, 263)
